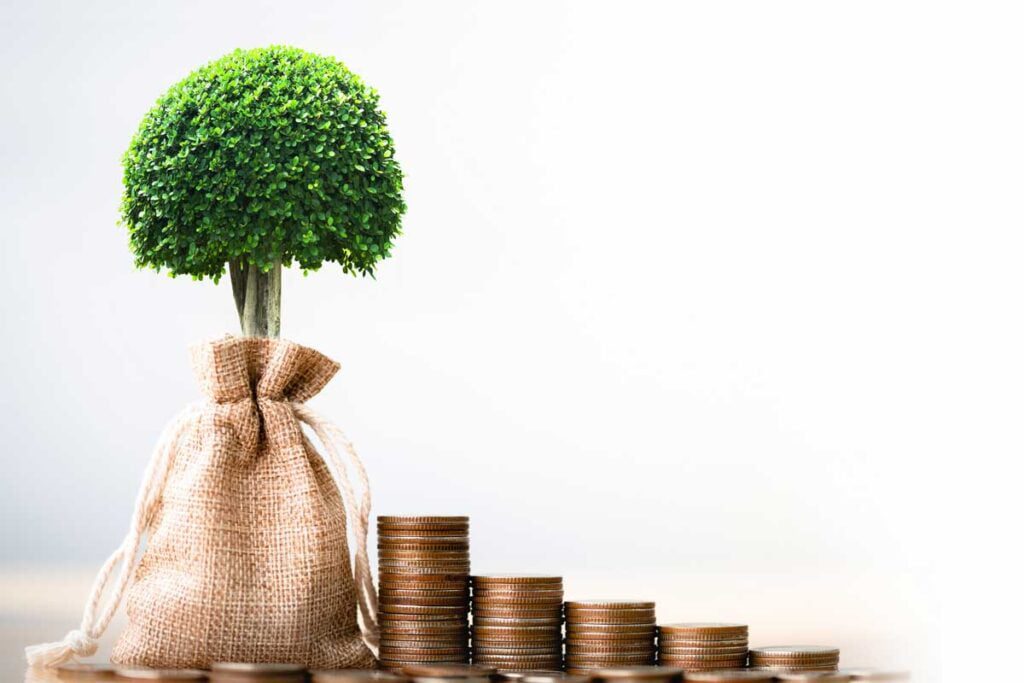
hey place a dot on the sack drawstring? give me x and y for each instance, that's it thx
(359, 515)
(83, 641)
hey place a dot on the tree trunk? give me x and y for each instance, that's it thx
(257, 298)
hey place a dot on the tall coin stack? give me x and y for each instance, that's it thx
(702, 647)
(604, 635)
(795, 658)
(517, 622)
(424, 590)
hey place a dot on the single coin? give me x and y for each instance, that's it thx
(527, 640)
(699, 630)
(610, 659)
(608, 605)
(876, 675)
(423, 554)
(550, 651)
(517, 613)
(519, 661)
(813, 676)
(420, 642)
(403, 608)
(399, 620)
(418, 593)
(85, 671)
(422, 519)
(794, 651)
(144, 674)
(408, 651)
(450, 671)
(499, 579)
(537, 676)
(453, 601)
(738, 676)
(412, 535)
(611, 618)
(697, 642)
(703, 659)
(518, 600)
(358, 676)
(410, 628)
(638, 673)
(424, 657)
(609, 631)
(480, 620)
(610, 646)
(516, 630)
(670, 649)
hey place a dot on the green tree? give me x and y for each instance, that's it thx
(259, 160)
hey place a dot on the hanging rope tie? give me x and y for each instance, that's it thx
(358, 512)
(83, 641)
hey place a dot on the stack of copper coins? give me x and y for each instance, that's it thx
(238, 672)
(703, 647)
(603, 635)
(424, 590)
(795, 658)
(638, 674)
(517, 622)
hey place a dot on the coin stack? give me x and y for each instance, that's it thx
(603, 635)
(795, 658)
(517, 622)
(424, 590)
(702, 647)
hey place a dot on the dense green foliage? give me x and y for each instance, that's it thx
(264, 154)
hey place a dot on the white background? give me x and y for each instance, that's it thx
(712, 303)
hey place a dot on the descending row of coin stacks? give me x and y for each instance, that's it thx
(795, 658)
(424, 590)
(603, 635)
(702, 647)
(517, 622)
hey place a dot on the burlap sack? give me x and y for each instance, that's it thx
(247, 557)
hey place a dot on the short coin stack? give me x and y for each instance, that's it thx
(702, 647)
(604, 635)
(795, 658)
(424, 590)
(517, 622)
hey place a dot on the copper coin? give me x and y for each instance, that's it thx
(408, 582)
(537, 676)
(704, 631)
(519, 661)
(516, 630)
(419, 642)
(84, 671)
(608, 605)
(479, 620)
(607, 662)
(424, 656)
(417, 593)
(699, 659)
(609, 619)
(397, 620)
(393, 532)
(443, 601)
(794, 652)
(515, 600)
(516, 613)
(144, 674)
(668, 649)
(506, 579)
(408, 651)
(729, 677)
(358, 676)
(424, 545)
(549, 651)
(450, 671)
(423, 553)
(717, 642)
(876, 675)
(813, 676)
(549, 637)
(639, 673)
(429, 576)
(635, 646)
(423, 519)
(450, 610)
(618, 657)
(433, 629)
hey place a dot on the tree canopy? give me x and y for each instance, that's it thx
(270, 154)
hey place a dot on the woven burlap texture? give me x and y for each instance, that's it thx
(247, 558)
